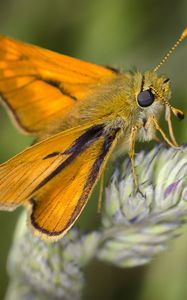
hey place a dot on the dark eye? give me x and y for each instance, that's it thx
(145, 98)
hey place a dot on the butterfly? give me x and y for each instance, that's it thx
(80, 113)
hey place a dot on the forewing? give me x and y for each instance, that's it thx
(55, 177)
(38, 86)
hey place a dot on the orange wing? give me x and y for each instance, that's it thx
(55, 177)
(38, 85)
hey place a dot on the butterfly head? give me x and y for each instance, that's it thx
(154, 95)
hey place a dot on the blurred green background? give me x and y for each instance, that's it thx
(127, 33)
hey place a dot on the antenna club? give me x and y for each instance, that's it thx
(184, 34)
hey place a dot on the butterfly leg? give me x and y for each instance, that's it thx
(153, 120)
(132, 154)
(168, 119)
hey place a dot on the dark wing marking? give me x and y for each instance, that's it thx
(80, 145)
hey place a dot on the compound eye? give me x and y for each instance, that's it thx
(145, 98)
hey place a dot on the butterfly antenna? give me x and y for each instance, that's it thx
(181, 38)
